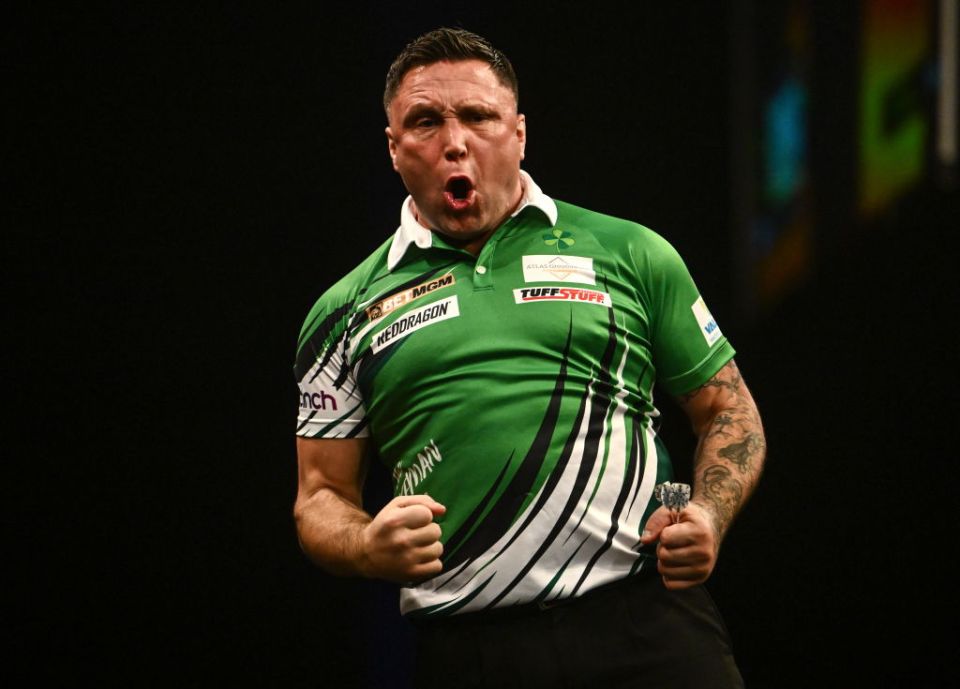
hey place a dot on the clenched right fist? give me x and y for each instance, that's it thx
(402, 543)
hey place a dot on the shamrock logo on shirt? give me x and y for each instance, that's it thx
(559, 238)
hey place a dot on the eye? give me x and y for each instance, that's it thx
(425, 122)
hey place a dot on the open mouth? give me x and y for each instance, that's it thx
(458, 192)
(460, 187)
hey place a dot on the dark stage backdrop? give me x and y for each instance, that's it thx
(182, 184)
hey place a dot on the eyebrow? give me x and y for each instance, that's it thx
(417, 111)
(422, 109)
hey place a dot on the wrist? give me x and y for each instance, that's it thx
(360, 557)
(711, 515)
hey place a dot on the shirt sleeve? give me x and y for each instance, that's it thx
(688, 346)
(331, 405)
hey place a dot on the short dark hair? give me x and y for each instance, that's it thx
(452, 45)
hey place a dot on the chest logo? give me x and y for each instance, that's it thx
(385, 306)
(552, 268)
(559, 238)
(528, 295)
(414, 320)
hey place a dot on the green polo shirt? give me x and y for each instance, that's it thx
(516, 388)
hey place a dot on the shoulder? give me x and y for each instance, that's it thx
(625, 238)
(339, 301)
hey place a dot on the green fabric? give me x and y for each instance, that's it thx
(520, 387)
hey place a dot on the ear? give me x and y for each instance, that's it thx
(392, 147)
(522, 133)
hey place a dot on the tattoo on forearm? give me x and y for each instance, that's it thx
(742, 453)
(724, 493)
(731, 450)
(721, 424)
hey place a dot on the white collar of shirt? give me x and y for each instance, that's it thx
(412, 232)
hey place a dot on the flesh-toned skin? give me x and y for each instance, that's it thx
(454, 120)
(401, 544)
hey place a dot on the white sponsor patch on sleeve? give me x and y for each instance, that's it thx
(555, 268)
(326, 410)
(414, 320)
(708, 327)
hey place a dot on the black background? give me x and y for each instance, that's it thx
(182, 184)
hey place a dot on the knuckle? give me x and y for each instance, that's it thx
(393, 520)
(419, 514)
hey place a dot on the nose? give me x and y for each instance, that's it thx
(454, 139)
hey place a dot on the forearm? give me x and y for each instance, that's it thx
(330, 530)
(730, 452)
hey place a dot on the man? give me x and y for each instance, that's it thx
(499, 354)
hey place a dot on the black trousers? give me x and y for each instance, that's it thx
(633, 633)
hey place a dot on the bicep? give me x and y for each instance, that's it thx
(335, 464)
